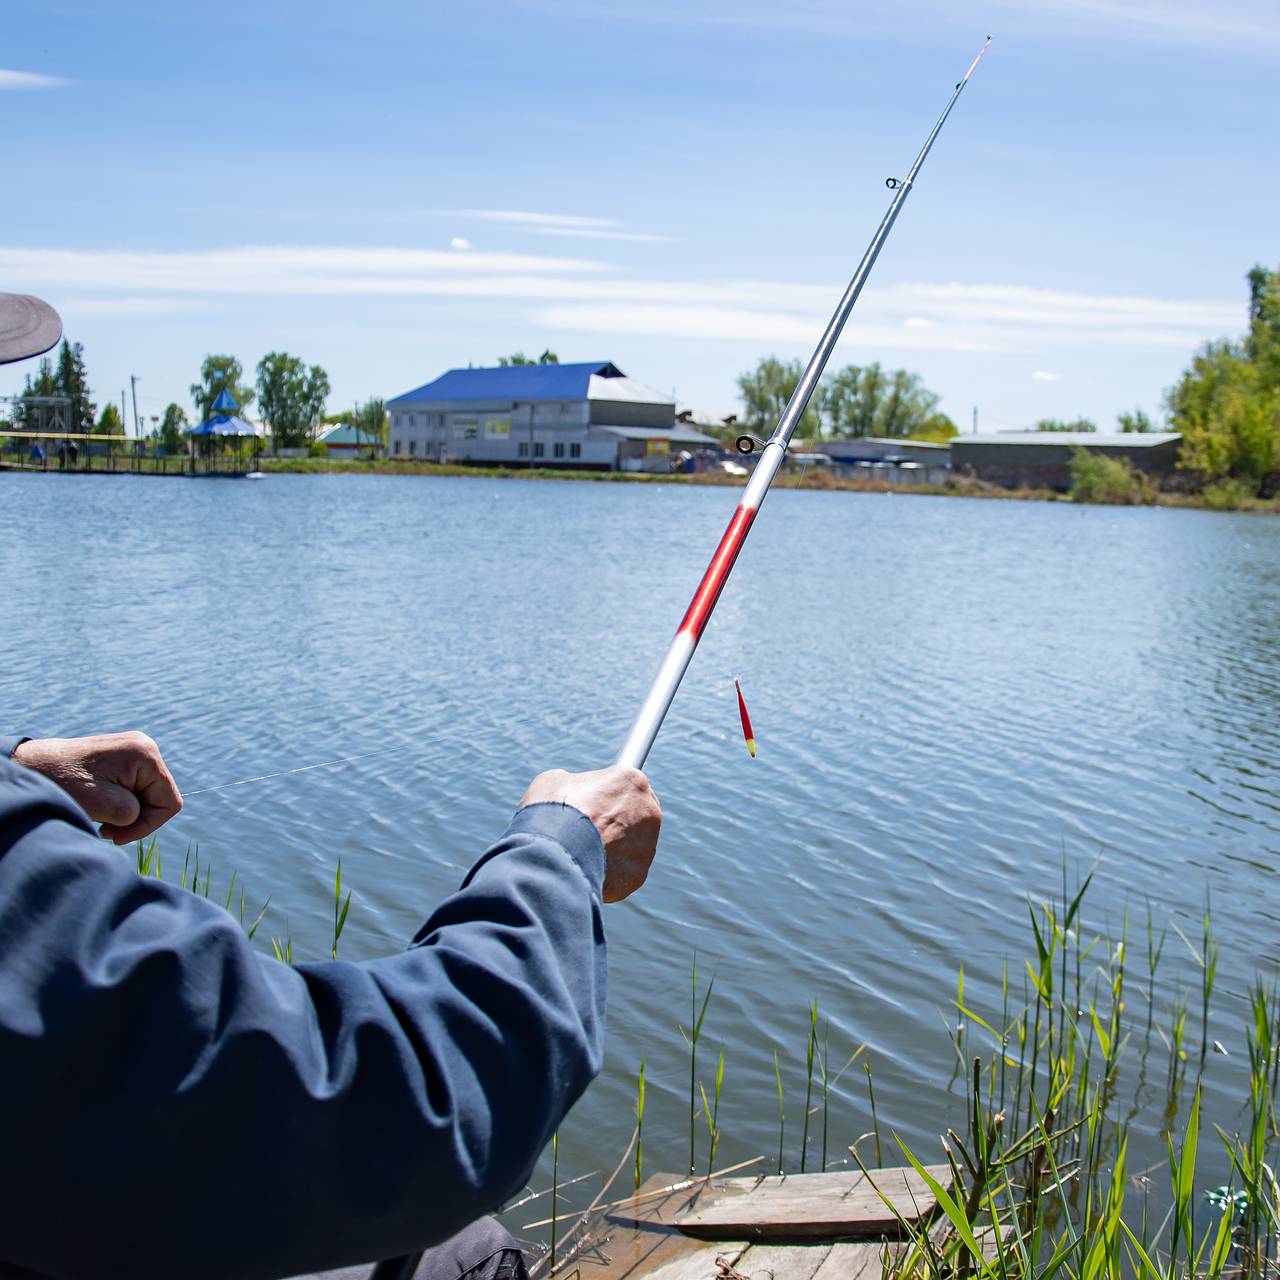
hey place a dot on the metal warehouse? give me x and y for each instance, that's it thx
(1042, 459)
(588, 415)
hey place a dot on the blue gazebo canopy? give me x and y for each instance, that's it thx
(224, 424)
(225, 403)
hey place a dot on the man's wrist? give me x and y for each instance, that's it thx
(9, 745)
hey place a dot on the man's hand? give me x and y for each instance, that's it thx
(118, 779)
(626, 814)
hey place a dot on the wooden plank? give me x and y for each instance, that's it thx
(782, 1261)
(709, 1263)
(822, 1205)
(637, 1238)
(856, 1260)
(628, 1254)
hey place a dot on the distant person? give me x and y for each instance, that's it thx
(74, 450)
(181, 1107)
(37, 454)
(62, 455)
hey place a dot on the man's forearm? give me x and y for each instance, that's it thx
(404, 1096)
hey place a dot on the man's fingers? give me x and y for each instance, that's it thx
(110, 803)
(127, 834)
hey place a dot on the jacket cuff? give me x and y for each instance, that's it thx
(8, 745)
(571, 829)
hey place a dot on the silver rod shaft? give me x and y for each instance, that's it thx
(657, 702)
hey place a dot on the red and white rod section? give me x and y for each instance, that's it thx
(663, 690)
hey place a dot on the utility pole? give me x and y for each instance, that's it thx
(133, 385)
(975, 419)
(124, 417)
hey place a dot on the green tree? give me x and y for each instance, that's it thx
(937, 427)
(868, 401)
(109, 422)
(73, 381)
(175, 418)
(370, 422)
(1056, 424)
(547, 357)
(1137, 421)
(217, 373)
(291, 397)
(1227, 404)
(1228, 416)
(764, 393)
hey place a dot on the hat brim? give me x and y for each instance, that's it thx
(28, 327)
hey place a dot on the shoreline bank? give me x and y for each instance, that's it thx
(956, 487)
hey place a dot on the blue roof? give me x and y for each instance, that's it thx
(225, 403)
(513, 382)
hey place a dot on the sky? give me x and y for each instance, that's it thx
(390, 189)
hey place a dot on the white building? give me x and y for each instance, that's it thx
(540, 415)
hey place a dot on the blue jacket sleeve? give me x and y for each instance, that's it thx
(177, 1104)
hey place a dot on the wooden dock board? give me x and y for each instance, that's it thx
(790, 1228)
(817, 1205)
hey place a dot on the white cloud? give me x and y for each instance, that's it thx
(459, 243)
(562, 224)
(595, 234)
(128, 306)
(28, 80)
(1043, 375)
(738, 324)
(588, 295)
(538, 219)
(1148, 21)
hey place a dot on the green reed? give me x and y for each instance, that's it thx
(639, 1162)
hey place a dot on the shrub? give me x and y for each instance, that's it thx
(1097, 478)
(1228, 495)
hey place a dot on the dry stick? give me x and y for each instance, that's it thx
(537, 1195)
(656, 1193)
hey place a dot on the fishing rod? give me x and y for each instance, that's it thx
(663, 690)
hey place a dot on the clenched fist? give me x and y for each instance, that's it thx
(626, 814)
(118, 779)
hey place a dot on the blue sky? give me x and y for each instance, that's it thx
(678, 187)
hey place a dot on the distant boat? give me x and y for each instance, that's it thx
(255, 475)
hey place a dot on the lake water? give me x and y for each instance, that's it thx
(951, 698)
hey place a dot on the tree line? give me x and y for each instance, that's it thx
(858, 400)
(290, 398)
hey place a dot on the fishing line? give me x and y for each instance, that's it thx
(306, 768)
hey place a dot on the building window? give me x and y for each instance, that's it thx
(575, 450)
(396, 447)
(524, 448)
(413, 447)
(559, 448)
(411, 419)
(538, 449)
